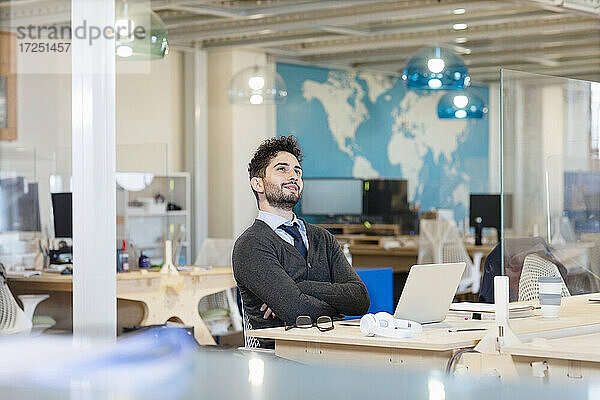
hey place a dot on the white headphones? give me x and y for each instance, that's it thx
(384, 324)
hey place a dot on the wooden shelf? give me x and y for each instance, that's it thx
(361, 239)
(380, 229)
(178, 213)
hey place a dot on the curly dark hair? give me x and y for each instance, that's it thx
(267, 151)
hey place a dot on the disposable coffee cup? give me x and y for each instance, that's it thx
(550, 294)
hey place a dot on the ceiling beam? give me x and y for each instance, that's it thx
(524, 42)
(490, 32)
(269, 38)
(262, 12)
(350, 16)
(37, 13)
(500, 57)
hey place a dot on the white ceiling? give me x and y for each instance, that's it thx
(556, 37)
(380, 35)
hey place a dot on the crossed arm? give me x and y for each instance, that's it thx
(285, 298)
(269, 282)
(346, 292)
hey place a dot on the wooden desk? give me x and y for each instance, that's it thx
(346, 344)
(142, 298)
(400, 259)
(431, 349)
(574, 356)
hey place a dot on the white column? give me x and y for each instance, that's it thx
(93, 138)
(196, 140)
(494, 144)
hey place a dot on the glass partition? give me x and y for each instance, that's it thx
(20, 220)
(35, 127)
(550, 183)
(152, 204)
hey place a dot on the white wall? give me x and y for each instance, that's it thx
(149, 118)
(235, 131)
(250, 126)
(150, 115)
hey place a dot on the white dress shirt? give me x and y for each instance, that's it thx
(274, 221)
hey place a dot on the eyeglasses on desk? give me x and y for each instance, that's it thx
(324, 323)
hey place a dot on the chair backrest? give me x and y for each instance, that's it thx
(535, 266)
(12, 318)
(440, 242)
(215, 252)
(515, 252)
(250, 342)
(380, 286)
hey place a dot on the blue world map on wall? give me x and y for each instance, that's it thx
(368, 125)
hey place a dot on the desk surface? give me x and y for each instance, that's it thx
(579, 347)
(430, 339)
(160, 297)
(575, 311)
(58, 282)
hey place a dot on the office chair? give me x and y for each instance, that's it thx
(594, 257)
(250, 343)
(13, 320)
(535, 266)
(440, 242)
(515, 251)
(219, 309)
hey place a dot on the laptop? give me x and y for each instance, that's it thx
(429, 291)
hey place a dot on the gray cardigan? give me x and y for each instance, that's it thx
(269, 270)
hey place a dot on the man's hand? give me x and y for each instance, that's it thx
(268, 313)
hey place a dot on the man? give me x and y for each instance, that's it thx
(284, 266)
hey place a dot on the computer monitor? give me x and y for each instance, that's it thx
(19, 206)
(62, 208)
(385, 199)
(331, 197)
(488, 208)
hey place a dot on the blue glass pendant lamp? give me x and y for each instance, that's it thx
(436, 68)
(461, 104)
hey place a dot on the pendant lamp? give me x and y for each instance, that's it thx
(140, 33)
(257, 85)
(461, 104)
(133, 181)
(436, 68)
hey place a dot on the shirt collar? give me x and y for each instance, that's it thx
(273, 220)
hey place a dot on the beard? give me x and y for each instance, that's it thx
(279, 199)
